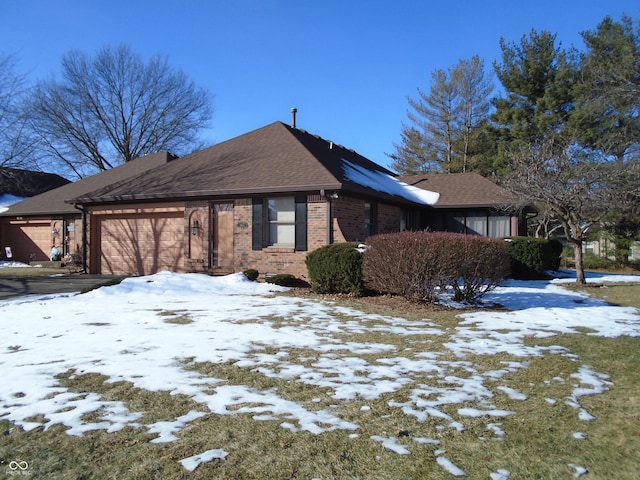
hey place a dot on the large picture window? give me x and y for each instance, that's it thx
(499, 227)
(480, 223)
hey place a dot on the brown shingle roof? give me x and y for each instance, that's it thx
(27, 183)
(53, 202)
(272, 159)
(461, 190)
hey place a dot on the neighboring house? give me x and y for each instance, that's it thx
(29, 229)
(469, 203)
(17, 184)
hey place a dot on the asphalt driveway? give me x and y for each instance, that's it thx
(47, 285)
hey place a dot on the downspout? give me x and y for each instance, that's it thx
(328, 220)
(84, 236)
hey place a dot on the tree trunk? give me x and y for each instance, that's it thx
(577, 249)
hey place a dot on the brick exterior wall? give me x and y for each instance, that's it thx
(346, 215)
(349, 222)
(271, 260)
(389, 217)
(348, 219)
(196, 247)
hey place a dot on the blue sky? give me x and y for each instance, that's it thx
(346, 65)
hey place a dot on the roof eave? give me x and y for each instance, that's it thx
(470, 205)
(204, 193)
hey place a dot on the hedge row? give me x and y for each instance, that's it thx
(421, 266)
(533, 257)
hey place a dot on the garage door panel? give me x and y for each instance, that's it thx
(28, 241)
(141, 245)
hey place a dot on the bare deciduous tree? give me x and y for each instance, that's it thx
(114, 107)
(573, 188)
(16, 143)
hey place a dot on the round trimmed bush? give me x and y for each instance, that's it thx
(336, 268)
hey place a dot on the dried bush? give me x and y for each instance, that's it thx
(420, 265)
(482, 263)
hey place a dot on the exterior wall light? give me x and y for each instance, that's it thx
(195, 228)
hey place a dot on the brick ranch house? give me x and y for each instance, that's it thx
(262, 200)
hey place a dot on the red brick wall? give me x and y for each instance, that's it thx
(196, 247)
(272, 260)
(347, 215)
(349, 224)
(389, 217)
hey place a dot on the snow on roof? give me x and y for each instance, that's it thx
(383, 182)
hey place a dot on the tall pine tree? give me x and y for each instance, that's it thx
(537, 77)
(441, 134)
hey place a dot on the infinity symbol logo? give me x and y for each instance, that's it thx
(14, 465)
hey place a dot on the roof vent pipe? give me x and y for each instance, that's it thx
(293, 117)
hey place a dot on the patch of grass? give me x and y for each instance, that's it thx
(108, 283)
(625, 294)
(22, 272)
(181, 317)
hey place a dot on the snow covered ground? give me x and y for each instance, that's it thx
(118, 331)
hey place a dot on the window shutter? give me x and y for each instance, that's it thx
(301, 223)
(374, 218)
(257, 227)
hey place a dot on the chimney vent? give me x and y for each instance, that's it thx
(293, 117)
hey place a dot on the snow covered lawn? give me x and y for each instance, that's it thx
(313, 369)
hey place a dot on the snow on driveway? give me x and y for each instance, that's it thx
(118, 332)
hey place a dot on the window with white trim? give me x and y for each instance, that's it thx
(279, 222)
(281, 218)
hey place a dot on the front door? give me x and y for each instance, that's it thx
(222, 237)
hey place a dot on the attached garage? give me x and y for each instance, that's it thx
(137, 241)
(28, 239)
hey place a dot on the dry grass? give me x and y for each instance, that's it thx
(22, 272)
(538, 441)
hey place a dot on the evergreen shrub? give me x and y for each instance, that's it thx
(284, 280)
(420, 266)
(336, 268)
(252, 274)
(596, 262)
(532, 257)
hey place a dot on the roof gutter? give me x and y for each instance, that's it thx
(86, 200)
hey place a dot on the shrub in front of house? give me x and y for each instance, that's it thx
(420, 266)
(596, 262)
(532, 257)
(252, 274)
(336, 268)
(409, 264)
(284, 280)
(481, 264)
